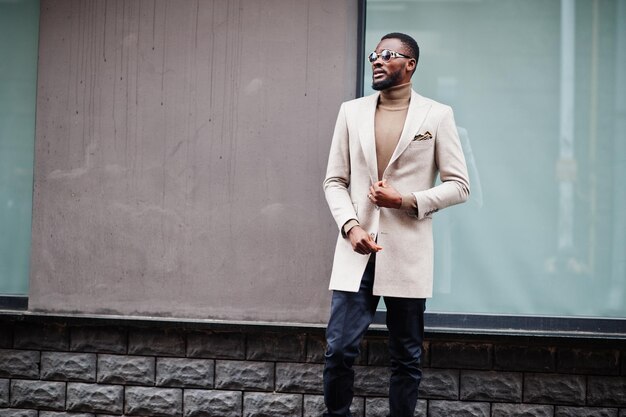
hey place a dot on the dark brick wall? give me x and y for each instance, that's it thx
(93, 368)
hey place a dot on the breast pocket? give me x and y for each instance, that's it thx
(421, 144)
(418, 155)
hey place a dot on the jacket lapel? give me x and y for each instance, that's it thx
(418, 110)
(366, 118)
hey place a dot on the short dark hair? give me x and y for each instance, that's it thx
(407, 41)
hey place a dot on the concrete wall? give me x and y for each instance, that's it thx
(180, 151)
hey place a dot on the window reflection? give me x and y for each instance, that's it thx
(19, 31)
(539, 95)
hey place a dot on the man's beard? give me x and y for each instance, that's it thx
(390, 81)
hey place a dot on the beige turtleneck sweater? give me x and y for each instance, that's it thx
(391, 111)
(393, 105)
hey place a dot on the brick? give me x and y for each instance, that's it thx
(168, 342)
(95, 398)
(315, 348)
(299, 377)
(585, 361)
(6, 335)
(421, 409)
(260, 404)
(16, 412)
(491, 386)
(166, 402)
(378, 407)
(362, 358)
(109, 415)
(609, 391)
(554, 389)
(63, 414)
(524, 358)
(585, 412)
(244, 375)
(224, 345)
(98, 339)
(426, 354)
(183, 372)
(371, 380)
(288, 347)
(378, 352)
(4, 392)
(117, 369)
(64, 366)
(438, 408)
(314, 406)
(521, 410)
(375, 407)
(205, 403)
(441, 384)
(460, 355)
(38, 394)
(19, 363)
(40, 336)
(357, 408)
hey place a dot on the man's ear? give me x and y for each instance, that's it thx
(410, 66)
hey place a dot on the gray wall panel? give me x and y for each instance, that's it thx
(180, 151)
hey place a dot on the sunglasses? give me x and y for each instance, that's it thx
(386, 55)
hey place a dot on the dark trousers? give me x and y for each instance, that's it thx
(350, 316)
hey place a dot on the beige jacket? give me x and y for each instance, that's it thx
(429, 145)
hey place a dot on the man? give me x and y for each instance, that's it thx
(386, 151)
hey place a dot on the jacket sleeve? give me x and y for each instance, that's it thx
(454, 187)
(337, 178)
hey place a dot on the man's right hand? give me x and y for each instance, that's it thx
(362, 242)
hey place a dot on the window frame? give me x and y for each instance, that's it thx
(13, 302)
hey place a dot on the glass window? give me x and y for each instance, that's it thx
(539, 94)
(19, 30)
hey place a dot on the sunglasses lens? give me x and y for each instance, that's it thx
(372, 57)
(385, 55)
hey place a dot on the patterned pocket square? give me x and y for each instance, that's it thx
(423, 136)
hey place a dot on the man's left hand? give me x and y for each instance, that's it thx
(384, 195)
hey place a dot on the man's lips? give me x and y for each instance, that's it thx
(377, 73)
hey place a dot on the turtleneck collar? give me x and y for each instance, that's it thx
(396, 97)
